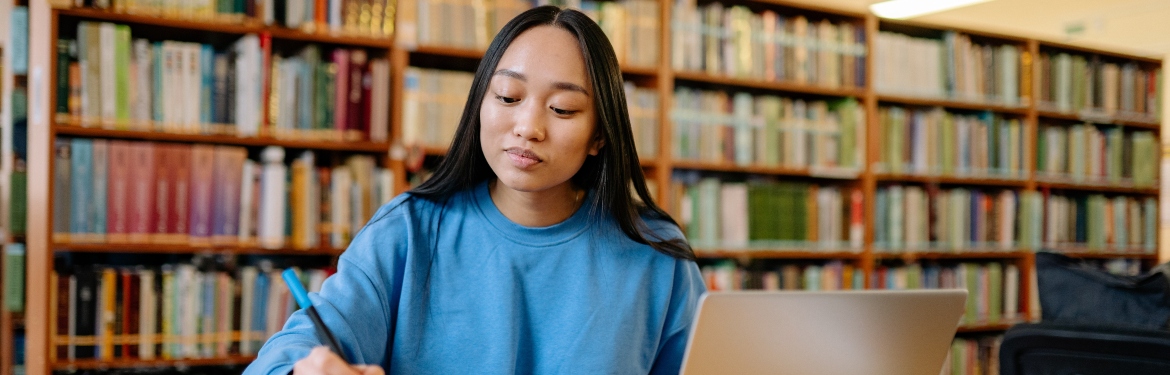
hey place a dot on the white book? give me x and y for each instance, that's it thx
(734, 211)
(1011, 292)
(341, 181)
(316, 280)
(193, 96)
(335, 14)
(147, 307)
(187, 311)
(411, 103)
(294, 13)
(247, 295)
(248, 86)
(270, 229)
(247, 184)
(72, 348)
(225, 306)
(386, 186)
(109, 88)
(277, 304)
(143, 92)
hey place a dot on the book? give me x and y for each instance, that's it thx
(14, 266)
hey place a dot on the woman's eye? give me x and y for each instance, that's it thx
(506, 99)
(562, 112)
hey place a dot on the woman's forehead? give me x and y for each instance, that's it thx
(545, 53)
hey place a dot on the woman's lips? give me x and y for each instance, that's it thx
(522, 158)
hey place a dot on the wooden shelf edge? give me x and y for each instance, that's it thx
(96, 364)
(356, 146)
(974, 328)
(1097, 188)
(769, 85)
(1086, 253)
(843, 174)
(774, 254)
(230, 24)
(188, 249)
(459, 52)
(952, 104)
(952, 180)
(1150, 124)
(961, 254)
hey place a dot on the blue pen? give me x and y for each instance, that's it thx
(302, 297)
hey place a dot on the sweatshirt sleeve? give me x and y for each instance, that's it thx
(684, 304)
(357, 304)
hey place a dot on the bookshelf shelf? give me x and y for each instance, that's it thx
(794, 88)
(640, 71)
(357, 146)
(953, 180)
(956, 255)
(188, 249)
(979, 328)
(136, 363)
(228, 25)
(223, 25)
(766, 170)
(952, 104)
(1149, 123)
(774, 254)
(1085, 252)
(443, 51)
(1097, 188)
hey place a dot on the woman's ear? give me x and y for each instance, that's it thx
(596, 144)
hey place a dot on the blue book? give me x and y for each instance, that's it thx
(20, 40)
(207, 317)
(97, 209)
(207, 75)
(81, 185)
(260, 309)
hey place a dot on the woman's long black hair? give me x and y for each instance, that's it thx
(610, 175)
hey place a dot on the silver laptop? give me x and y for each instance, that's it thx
(874, 332)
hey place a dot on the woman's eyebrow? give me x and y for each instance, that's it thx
(566, 86)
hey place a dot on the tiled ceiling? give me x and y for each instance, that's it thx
(1140, 27)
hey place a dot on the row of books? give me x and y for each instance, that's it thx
(107, 79)
(1086, 153)
(937, 142)
(952, 67)
(831, 275)
(993, 288)
(432, 103)
(159, 193)
(973, 356)
(1098, 223)
(364, 17)
(642, 103)
(632, 28)
(916, 218)
(345, 98)
(467, 24)
(736, 42)
(766, 130)
(1097, 86)
(768, 215)
(174, 311)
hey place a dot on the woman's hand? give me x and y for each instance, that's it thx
(321, 361)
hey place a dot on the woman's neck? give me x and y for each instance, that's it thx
(536, 209)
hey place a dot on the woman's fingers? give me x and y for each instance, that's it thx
(369, 370)
(321, 361)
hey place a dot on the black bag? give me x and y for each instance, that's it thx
(1072, 292)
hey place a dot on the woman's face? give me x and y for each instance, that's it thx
(537, 117)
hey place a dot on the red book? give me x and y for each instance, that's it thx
(358, 90)
(141, 215)
(341, 99)
(181, 174)
(130, 317)
(163, 192)
(118, 192)
(266, 84)
(201, 183)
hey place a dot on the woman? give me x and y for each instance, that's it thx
(526, 251)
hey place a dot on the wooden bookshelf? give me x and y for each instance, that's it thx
(984, 328)
(352, 146)
(1133, 122)
(129, 364)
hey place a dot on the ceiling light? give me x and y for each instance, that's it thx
(903, 9)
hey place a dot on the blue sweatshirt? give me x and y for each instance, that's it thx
(455, 287)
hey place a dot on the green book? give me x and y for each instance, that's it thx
(122, 73)
(18, 198)
(14, 277)
(995, 305)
